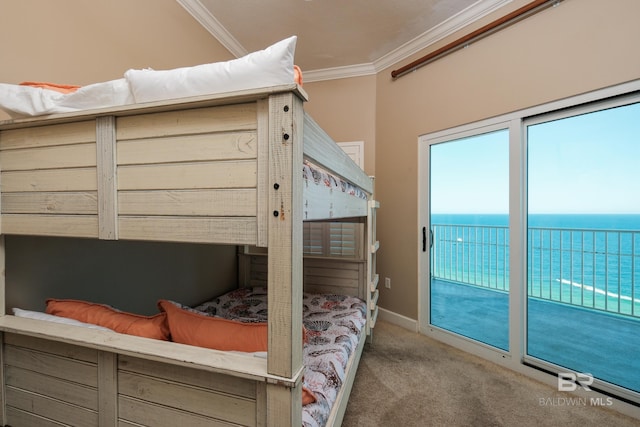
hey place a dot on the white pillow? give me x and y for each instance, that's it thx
(269, 67)
(99, 95)
(21, 101)
(18, 312)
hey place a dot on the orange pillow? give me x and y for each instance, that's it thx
(307, 396)
(188, 327)
(52, 86)
(297, 75)
(103, 315)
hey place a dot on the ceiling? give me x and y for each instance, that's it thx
(337, 38)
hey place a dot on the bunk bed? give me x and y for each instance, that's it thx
(227, 168)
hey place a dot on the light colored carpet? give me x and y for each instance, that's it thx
(406, 379)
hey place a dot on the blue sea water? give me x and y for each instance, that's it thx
(589, 260)
(575, 221)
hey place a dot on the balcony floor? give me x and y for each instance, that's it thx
(583, 340)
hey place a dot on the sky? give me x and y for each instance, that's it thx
(582, 164)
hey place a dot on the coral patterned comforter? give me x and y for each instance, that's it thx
(334, 326)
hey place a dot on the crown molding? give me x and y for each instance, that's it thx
(358, 70)
(476, 11)
(213, 26)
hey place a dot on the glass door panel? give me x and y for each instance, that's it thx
(583, 255)
(469, 284)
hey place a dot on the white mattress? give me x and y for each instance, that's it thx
(269, 67)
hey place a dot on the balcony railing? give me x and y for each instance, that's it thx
(595, 269)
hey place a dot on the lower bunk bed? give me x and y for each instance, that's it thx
(61, 368)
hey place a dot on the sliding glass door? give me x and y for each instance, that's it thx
(583, 304)
(530, 240)
(469, 235)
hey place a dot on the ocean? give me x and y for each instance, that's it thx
(589, 260)
(579, 221)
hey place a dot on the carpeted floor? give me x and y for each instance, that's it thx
(406, 379)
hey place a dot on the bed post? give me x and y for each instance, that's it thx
(107, 180)
(284, 404)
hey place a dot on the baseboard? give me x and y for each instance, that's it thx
(398, 319)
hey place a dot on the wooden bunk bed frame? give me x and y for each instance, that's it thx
(219, 169)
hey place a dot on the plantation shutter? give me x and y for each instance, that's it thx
(336, 239)
(342, 240)
(313, 238)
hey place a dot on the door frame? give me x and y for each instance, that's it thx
(424, 220)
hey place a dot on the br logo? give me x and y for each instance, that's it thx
(569, 381)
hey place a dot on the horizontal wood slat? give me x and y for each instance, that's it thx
(217, 146)
(49, 180)
(217, 382)
(333, 288)
(329, 271)
(80, 179)
(55, 366)
(18, 417)
(199, 120)
(320, 202)
(50, 225)
(67, 156)
(237, 231)
(328, 275)
(178, 176)
(42, 136)
(66, 391)
(84, 203)
(222, 202)
(187, 398)
(49, 409)
(134, 413)
(53, 347)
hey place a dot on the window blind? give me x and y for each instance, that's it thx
(336, 239)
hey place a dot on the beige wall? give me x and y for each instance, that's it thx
(576, 47)
(82, 42)
(346, 110)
